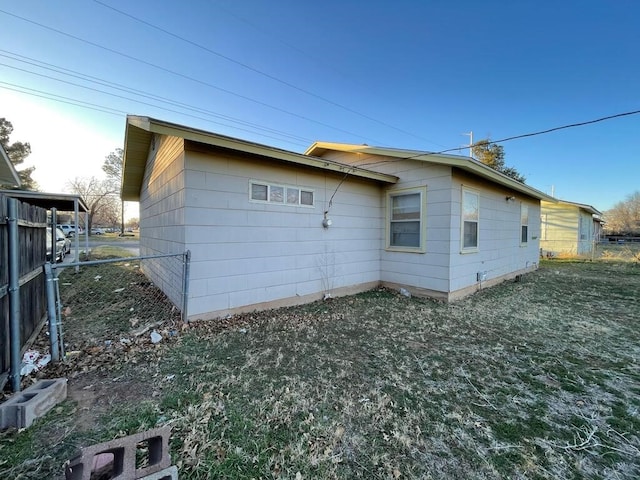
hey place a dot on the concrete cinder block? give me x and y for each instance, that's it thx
(170, 473)
(24, 407)
(118, 457)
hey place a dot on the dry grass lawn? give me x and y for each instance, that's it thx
(532, 379)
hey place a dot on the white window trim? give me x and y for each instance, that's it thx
(423, 215)
(475, 249)
(284, 187)
(522, 206)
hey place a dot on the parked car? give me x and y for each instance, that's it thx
(60, 245)
(97, 231)
(69, 230)
(65, 239)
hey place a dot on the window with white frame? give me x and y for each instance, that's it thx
(281, 194)
(470, 219)
(405, 211)
(524, 223)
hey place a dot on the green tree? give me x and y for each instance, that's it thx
(17, 152)
(492, 155)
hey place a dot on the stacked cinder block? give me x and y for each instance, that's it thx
(24, 407)
(117, 458)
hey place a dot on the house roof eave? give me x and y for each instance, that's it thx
(463, 163)
(8, 173)
(583, 206)
(139, 131)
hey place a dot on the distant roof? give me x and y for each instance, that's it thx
(463, 163)
(8, 173)
(62, 201)
(139, 131)
(583, 206)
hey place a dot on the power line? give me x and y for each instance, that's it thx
(124, 88)
(153, 105)
(181, 75)
(258, 71)
(503, 140)
(61, 99)
(555, 129)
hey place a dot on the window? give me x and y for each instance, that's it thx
(282, 194)
(259, 192)
(470, 218)
(405, 212)
(524, 223)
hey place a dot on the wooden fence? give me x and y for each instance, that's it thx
(32, 293)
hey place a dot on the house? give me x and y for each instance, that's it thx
(568, 229)
(268, 227)
(8, 174)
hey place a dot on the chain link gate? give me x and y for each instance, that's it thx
(113, 297)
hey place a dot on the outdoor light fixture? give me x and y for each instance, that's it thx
(326, 221)
(510, 198)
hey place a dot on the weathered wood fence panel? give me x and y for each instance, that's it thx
(31, 257)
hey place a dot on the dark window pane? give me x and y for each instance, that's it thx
(405, 234)
(258, 192)
(306, 198)
(470, 237)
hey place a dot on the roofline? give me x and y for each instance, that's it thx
(584, 206)
(61, 197)
(136, 160)
(8, 173)
(464, 163)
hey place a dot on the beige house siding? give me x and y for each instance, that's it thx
(246, 254)
(162, 213)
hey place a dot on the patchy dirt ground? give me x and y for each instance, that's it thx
(536, 379)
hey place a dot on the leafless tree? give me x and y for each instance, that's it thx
(624, 217)
(96, 194)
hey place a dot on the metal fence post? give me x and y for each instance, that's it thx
(51, 310)
(14, 293)
(185, 286)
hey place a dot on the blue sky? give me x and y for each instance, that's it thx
(406, 74)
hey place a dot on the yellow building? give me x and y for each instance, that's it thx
(568, 229)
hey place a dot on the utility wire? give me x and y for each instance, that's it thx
(502, 140)
(181, 75)
(61, 99)
(157, 106)
(259, 72)
(555, 129)
(124, 88)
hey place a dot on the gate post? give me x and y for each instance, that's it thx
(14, 293)
(51, 311)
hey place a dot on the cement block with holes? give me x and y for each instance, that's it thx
(170, 473)
(24, 407)
(117, 458)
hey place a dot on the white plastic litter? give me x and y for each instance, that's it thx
(155, 337)
(32, 361)
(405, 292)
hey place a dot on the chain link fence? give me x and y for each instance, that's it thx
(591, 250)
(118, 297)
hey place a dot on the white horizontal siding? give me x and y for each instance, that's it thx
(499, 249)
(246, 252)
